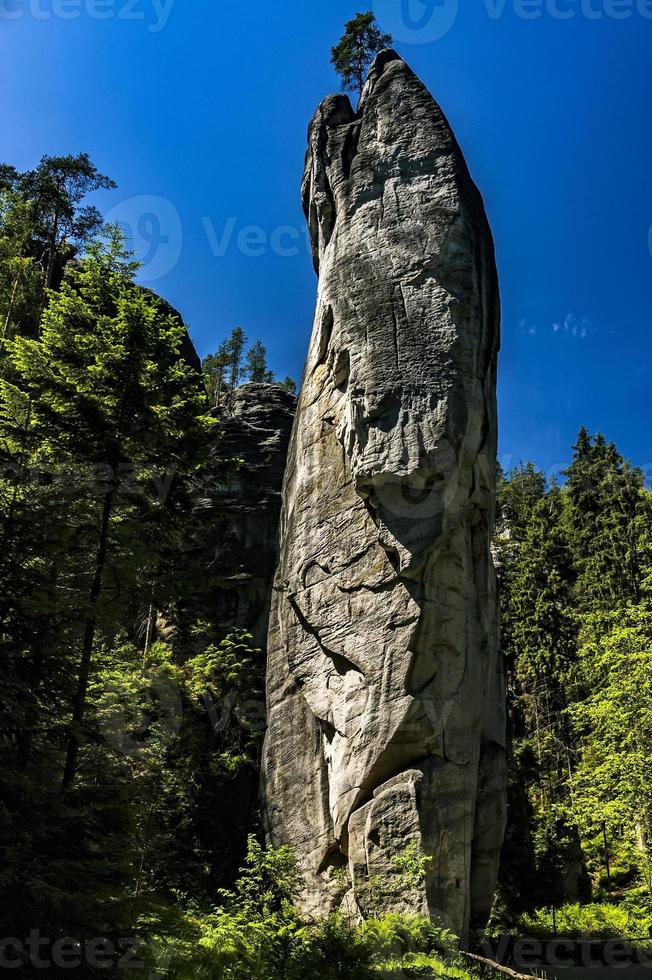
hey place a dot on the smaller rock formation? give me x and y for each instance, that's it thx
(241, 514)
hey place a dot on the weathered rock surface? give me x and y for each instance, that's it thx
(241, 514)
(386, 727)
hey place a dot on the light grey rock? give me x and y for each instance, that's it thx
(386, 724)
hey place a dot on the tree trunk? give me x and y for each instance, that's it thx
(10, 308)
(151, 625)
(7, 530)
(79, 700)
(52, 252)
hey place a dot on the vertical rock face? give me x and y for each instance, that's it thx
(241, 516)
(385, 690)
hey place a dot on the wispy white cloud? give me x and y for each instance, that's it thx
(569, 325)
(574, 326)
(528, 328)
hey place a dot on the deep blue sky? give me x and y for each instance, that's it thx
(205, 104)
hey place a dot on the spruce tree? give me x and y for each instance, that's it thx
(612, 785)
(605, 516)
(112, 402)
(214, 368)
(256, 365)
(289, 383)
(224, 370)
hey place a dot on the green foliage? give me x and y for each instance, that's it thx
(103, 396)
(612, 785)
(609, 524)
(149, 720)
(22, 290)
(361, 42)
(43, 224)
(599, 921)
(256, 932)
(214, 367)
(229, 366)
(574, 565)
(412, 865)
(102, 437)
(256, 365)
(228, 678)
(289, 383)
(60, 224)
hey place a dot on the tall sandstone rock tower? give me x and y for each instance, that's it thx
(385, 688)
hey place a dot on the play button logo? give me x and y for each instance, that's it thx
(417, 21)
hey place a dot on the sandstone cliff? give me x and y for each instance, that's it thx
(240, 515)
(385, 689)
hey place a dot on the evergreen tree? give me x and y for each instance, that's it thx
(108, 393)
(612, 798)
(289, 383)
(352, 56)
(605, 506)
(518, 495)
(256, 365)
(8, 177)
(224, 370)
(60, 224)
(235, 364)
(43, 224)
(214, 368)
(22, 291)
(539, 640)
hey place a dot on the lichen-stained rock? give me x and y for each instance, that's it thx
(385, 689)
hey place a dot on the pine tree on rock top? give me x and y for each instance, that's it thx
(353, 55)
(256, 365)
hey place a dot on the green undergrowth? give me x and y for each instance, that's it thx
(227, 945)
(629, 919)
(255, 932)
